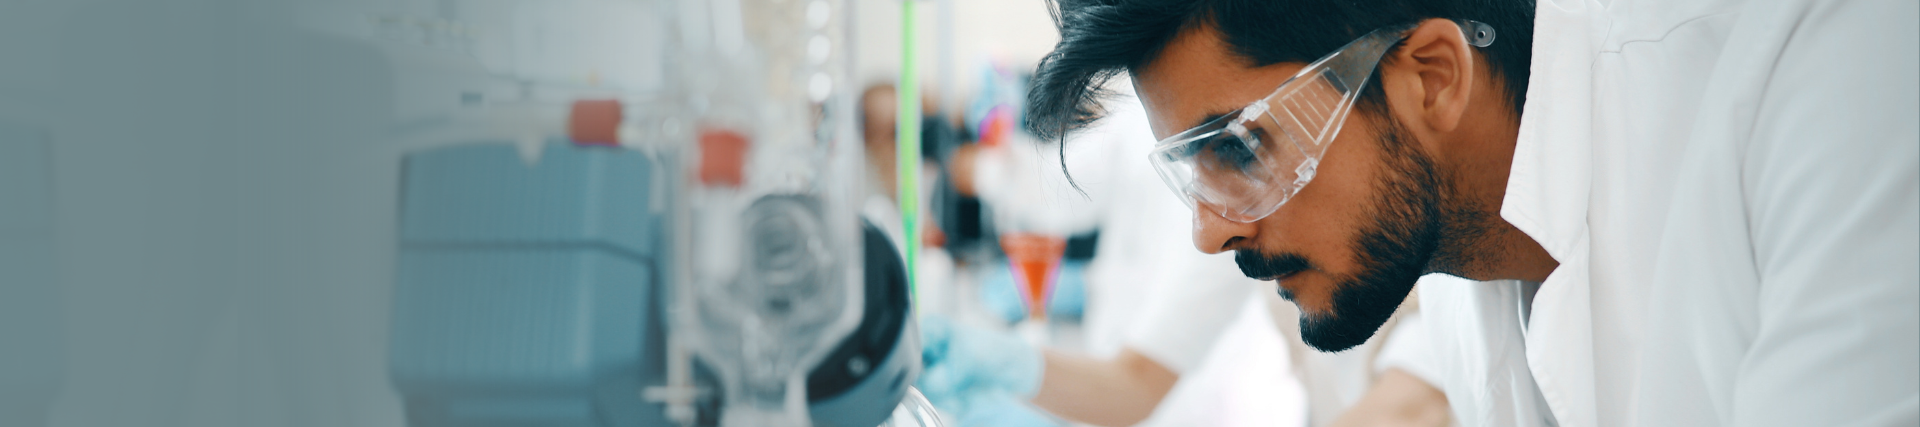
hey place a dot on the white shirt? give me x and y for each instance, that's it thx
(1732, 190)
(1482, 342)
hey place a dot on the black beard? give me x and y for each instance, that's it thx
(1392, 252)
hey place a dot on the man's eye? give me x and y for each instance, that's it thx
(1229, 151)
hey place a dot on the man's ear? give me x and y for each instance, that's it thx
(1429, 77)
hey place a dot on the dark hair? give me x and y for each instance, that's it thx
(1102, 38)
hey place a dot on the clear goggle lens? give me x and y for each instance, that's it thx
(1247, 163)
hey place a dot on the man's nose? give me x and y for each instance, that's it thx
(1214, 234)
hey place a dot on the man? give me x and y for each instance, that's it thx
(1140, 338)
(1698, 214)
(1158, 315)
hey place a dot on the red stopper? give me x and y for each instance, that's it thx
(594, 122)
(723, 156)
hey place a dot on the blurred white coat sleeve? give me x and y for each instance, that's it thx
(1025, 185)
(1195, 299)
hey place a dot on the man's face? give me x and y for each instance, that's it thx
(1349, 246)
(878, 120)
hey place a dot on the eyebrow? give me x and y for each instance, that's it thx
(1209, 119)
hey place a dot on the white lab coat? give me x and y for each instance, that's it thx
(1732, 190)
(1478, 343)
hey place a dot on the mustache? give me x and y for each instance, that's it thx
(1257, 265)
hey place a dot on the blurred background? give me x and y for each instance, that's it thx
(213, 212)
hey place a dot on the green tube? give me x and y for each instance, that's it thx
(907, 164)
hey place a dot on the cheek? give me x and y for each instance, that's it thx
(1324, 219)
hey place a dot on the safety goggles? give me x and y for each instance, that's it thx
(1248, 162)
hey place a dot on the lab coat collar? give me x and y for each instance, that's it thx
(1548, 186)
(1547, 198)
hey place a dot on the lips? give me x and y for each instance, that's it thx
(1278, 277)
(1280, 284)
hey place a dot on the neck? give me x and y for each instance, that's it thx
(1493, 249)
(1514, 255)
(881, 175)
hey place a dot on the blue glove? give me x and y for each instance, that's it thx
(965, 369)
(1000, 410)
(1002, 297)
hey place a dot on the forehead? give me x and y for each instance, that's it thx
(1197, 76)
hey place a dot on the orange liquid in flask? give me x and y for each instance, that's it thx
(1035, 260)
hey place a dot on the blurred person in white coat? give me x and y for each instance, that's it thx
(1699, 213)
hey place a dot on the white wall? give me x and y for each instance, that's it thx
(1019, 31)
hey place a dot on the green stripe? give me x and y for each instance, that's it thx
(907, 164)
